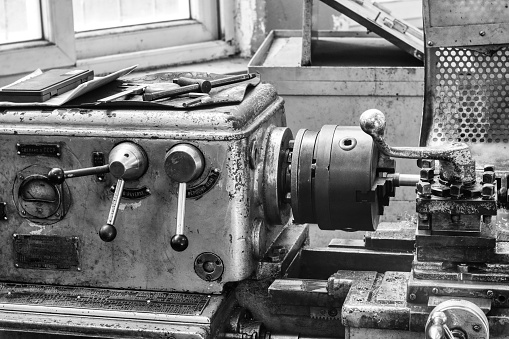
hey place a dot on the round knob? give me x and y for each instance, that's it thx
(373, 123)
(128, 161)
(56, 175)
(107, 233)
(179, 242)
(184, 163)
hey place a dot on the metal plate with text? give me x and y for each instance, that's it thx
(46, 252)
(103, 299)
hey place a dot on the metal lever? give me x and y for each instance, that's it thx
(58, 175)
(456, 162)
(108, 232)
(179, 241)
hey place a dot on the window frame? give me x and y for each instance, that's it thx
(207, 35)
(57, 47)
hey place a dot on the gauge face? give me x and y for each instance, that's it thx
(37, 198)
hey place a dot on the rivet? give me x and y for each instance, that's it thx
(482, 33)
(430, 43)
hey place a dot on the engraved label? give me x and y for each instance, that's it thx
(46, 252)
(133, 193)
(48, 150)
(199, 190)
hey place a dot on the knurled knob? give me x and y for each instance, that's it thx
(184, 163)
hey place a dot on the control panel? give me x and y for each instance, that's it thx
(131, 199)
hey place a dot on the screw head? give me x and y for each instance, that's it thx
(489, 294)
(476, 327)
(482, 33)
(430, 43)
(412, 296)
(434, 290)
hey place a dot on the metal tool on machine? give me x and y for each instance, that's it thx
(195, 85)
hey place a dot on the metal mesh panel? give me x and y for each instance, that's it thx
(469, 95)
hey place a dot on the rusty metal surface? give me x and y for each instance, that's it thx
(231, 122)
(378, 301)
(465, 22)
(320, 263)
(282, 252)
(421, 290)
(140, 257)
(103, 299)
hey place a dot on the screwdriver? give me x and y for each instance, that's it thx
(196, 85)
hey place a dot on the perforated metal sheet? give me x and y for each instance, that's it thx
(468, 95)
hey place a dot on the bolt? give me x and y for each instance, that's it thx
(424, 188)
(430, 43)
(427, 174)
(412, 296)
(482, 33)
(476, 327)
(440, 190)
(209, 266)
(489, 294)
(487, 192)
(489, 168)
(488, 177)
(455, 190)
(208, 277)
(428, 163)
(333, 312)
(434, 290)
(486, 219)
(288, 197)
(462, 268)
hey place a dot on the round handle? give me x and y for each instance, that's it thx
(128, 161)
(184, 163)
(56, 175)
(107, 233)
(179, 242)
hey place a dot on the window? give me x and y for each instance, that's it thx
(150, 33)
(20, 21)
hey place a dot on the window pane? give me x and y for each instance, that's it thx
(20, 20)
(99, 14)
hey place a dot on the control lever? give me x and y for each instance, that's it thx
(58, 175)
(456, 162)
(108, 232)
(126, 161)
(183, 163)
(179, 241)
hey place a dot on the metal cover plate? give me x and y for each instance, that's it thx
(46, 252)
(103, 299)
(379, 20)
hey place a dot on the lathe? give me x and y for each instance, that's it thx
(132, 222)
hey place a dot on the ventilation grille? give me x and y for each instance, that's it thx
(470, 93)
